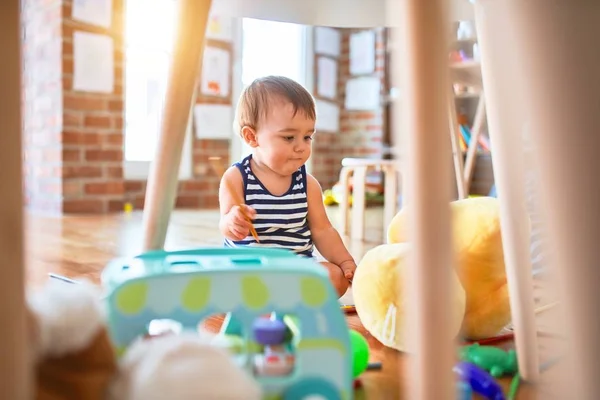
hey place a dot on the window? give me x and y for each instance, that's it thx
(272, 48)
(149, 37)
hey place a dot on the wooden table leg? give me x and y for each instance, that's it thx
(162, 184)
(358, 202)
(559, 57)
(15, 368)
(457, 153)
(471, 158)
(390, 197)
(426, 119)
(506, 124)
(345, 174)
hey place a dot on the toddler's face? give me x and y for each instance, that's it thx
(284, 140)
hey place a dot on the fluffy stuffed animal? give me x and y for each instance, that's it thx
(477, 242)
(185, 366)
(379, 296)
(74, 359)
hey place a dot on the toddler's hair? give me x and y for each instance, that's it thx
(255, 101)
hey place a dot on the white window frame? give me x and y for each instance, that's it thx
(307, 49)
(140, 170)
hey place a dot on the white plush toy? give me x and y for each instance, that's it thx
(74, 358)
(184, 366)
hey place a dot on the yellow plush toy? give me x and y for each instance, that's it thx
(379, 292)
(480, 269)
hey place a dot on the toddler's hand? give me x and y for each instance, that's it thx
(348, 268)
(239, 221)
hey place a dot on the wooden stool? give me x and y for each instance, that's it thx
(358, 167)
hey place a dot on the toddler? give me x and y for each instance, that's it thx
(276, 117)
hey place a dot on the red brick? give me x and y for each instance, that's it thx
(134, 186)
(113, 172)
(102, 188)
(67, 66)
(71, 188)
(193, 186)
(84, 206)
(80, 102)
(97, 121)
(116, 205)
(72, 119)
(71, 155)
(113, 139)
(117, 122)
(115, 105)
(81, 171)
(104, 155)
(187, 201)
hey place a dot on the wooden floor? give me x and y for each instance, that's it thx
(80, 246)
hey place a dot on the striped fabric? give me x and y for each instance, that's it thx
(281, 221)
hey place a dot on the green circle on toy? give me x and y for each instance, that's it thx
(360, 353)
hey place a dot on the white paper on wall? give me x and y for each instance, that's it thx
(363, 93)
(328, 116)
(327, 74)
(215, 72)
(93, 12)
(213, 121)
(362, 53)
(328, 41)
(93, 62)
(220, 28)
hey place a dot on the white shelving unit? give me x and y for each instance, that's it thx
(467, 74)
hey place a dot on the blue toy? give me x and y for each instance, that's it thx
(479, 380)
(266, 293)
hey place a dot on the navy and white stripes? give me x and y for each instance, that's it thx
(281, 221)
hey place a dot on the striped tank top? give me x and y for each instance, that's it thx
(281, 221)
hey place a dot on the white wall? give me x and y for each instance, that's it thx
(335, 13)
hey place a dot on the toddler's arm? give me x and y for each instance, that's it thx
(233, 224)
(325, 237)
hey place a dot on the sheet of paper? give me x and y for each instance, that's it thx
(363, 93)
(215, 80)
(328, 41)
(220, 28)
(93, 12)
(93, 62)
(327, 77)
(213, 121)
(362, 53)
(328, 116)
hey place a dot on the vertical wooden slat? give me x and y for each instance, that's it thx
(558, 58)
(181, 89)
(422, 73)
(506, 120)
(14, 367)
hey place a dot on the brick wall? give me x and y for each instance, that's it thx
(42, 103)
(73, 141)
(92, 131)
(361, 132)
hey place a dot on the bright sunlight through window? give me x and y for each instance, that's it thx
(149, 36)
(273, 48)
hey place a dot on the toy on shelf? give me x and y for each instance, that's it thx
(247, 284)
(493, 359)
(479, 380)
